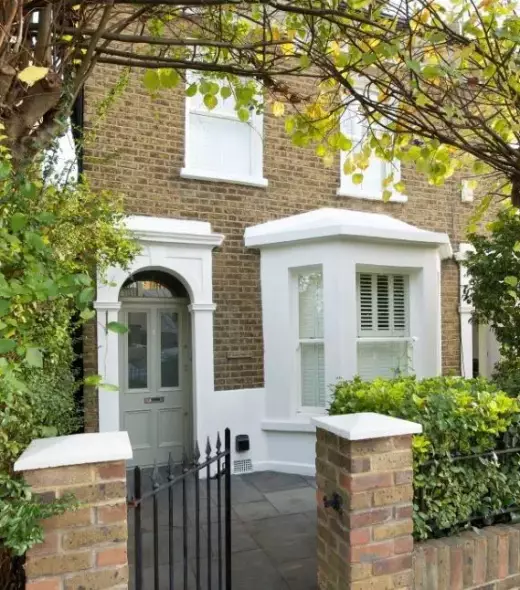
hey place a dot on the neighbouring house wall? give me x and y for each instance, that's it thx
(139, 150)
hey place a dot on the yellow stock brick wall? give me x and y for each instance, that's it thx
(138, 149)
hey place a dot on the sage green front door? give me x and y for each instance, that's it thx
(155, 380)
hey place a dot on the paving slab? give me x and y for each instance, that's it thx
(273, 534)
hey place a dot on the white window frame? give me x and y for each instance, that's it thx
(295, 304)
(256, 122)
(376, 335)
(348, 188)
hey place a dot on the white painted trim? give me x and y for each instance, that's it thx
(107, 306)
(396, 198)
(182, 248)
(197, 174)
(305, 469)
(465, 311)
(288, 425)
(202, 307)
(366, 425)
(329, 223)
(76, 449)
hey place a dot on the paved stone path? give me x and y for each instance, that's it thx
(273, 535)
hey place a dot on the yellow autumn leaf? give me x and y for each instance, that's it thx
(278, 109)
(32, 74)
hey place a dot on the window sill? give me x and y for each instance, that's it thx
(195, 174)
(303, 425)
(341, 192)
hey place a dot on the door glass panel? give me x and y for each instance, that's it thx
(169, 349)
(137, 350)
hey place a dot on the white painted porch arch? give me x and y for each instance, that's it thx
(179, 247)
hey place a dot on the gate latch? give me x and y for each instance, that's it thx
(335, 502)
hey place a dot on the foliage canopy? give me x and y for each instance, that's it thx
(437, 82)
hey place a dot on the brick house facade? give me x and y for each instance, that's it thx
(138, 150)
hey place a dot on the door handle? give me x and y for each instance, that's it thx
(154, 400)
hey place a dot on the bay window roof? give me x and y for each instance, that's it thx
(332, 223)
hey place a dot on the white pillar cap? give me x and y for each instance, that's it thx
(76, 449)
(366, 425)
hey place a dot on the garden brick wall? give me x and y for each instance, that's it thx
(368, 545)
(486, 559)
(138, 150)
(85, 548)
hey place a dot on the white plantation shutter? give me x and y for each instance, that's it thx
(311, 345)
(383, 305)
(383, 325)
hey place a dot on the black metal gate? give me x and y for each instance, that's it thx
(180, 528)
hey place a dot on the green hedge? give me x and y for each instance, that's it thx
(459, 417)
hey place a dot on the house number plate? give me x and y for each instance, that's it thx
(154, 400)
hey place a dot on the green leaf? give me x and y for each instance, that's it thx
(192, 90)
(18, 221)
(34, 357)
(5, 305)
(225, 92)
(243, 114)
(87, 314)
(6, 345)
(86, 295)
(151, 80)
(108, 387)
(511, 281)
(357, 178)
(48, 431)
(387, 195)
(414, 65)
(5, 169)
(516, 247)
(169, 78)
(93, 380)
(117, 327)
(211, 101)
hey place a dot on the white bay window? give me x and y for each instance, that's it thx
(384, 343)
(311, 345)
(344, 293)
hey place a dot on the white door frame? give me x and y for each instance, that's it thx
(181, 248)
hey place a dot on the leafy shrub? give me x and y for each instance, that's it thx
(53, 239)
(460, 417)
(506, 376)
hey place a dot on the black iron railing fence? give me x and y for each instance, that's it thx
(478, 489)
(196, 510)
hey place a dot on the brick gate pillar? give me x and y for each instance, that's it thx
(364, 478)
(84, 548)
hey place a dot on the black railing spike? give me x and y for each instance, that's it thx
(155, 477)
(219, 442)
(196, 454)
(208, 449)
(185, 460)
(171, 467)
